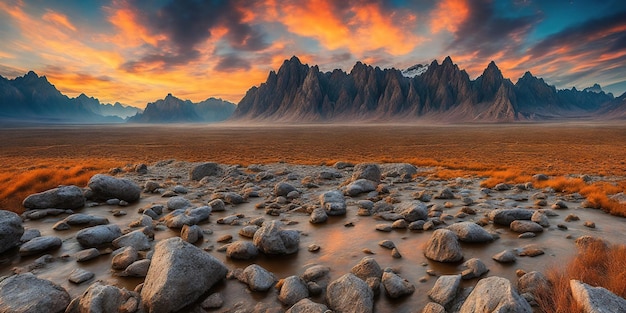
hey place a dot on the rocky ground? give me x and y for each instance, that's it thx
(194, 237)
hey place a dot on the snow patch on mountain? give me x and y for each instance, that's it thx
(415, 70)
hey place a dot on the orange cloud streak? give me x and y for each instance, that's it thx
(58, 19)
(449, 15)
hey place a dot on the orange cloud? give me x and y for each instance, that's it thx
(131, 32)
(59, 19)
(449, 15)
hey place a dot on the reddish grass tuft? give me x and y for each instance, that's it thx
(596, 264)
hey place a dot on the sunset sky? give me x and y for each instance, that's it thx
(137, 51)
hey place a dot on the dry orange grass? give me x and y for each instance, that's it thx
(501, 153)
(597, 265)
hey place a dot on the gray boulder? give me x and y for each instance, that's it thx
(99, 298)
(475, 268)
(136, 239)
(30, 234)
(445, 193)
(307, 306)
(318, 216)
(506, 216)
(506, 256)
(272, 239)
(402, 170)
(137, 269)
(540, 218)
(360, 186)
(191, 234)
(412, 211)
(26, 293)
(178, 203)
(315, 273)
(525, 226)
(98, 235)
(432, 307)
(396, 286)
(242, 250)
(217, 205)
(63, 197)
(282, 189)
(11, 230)
(596, 299)
(333, 202)
(87, 254)
(495, 294)
(470, 232)
(366, 268)
(40, 244)
(79, 276)
(179, 274)
(108, 187)
(533, 283)
(350, 294)
(445, 289)
(257, 278)
(179, 218)
(443, 246)
(203, 170)
(123, 257)
(85, 219)
(367, 171)
(293, 290)
(248, 231)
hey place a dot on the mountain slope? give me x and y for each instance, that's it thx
(174, 110)
(443, 92)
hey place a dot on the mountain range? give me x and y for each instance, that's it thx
(301, 93)
(438, 92)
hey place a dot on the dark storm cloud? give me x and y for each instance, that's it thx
(232, 62)
(487, 33)
(188, 23)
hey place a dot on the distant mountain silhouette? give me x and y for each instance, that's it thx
(443, 92)
(174, 110)
(106, 109)
(32, 98)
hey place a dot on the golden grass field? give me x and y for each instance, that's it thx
(38, 158)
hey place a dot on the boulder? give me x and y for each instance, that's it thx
(248, 231)
(506, 216)
(307, 306)
(178, 203)
(87, 254)
(533, 283)
(24, 293)
(367, 171)
(108, 187)
(136, 239)
(360, 186)
(412, 211)
(30, 234)
(272, 239)
(79, 276)
(396, 286)
(63, 197)
(191, 234)
(282, 189)
(123, 257)
(445, 193)
(333, 202)
(179, 274)
(40, 244)
(137, 269)
(596, 299)
(350, 294)
(443, 246)
(403, 170)
(318, 216)
(203, 170)
(293, 290)
(179, 218)
(242, 250)
(525, 226)
(445, 289)
(540, 218)
(315, 273)
(217, 205)
(495, 294)
(11, 230)
(98, 235)
(470, 232)
(85, 219)
(475, 268)
(432, 307)
(105, 298)
(258, 278)
(506, 256)
(366, 268)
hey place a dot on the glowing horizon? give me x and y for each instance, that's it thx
(133, 52)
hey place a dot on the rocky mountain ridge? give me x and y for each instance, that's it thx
(174, 110)
(301, 93)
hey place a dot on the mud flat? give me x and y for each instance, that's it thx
(410, 240)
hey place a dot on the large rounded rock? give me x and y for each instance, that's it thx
(98, 235)
(443, 246)
(307, 306)
(412, 211)
(470, 232)
(495, 294)
(40, 244)
(396, 286)
(445, 289)
(366, 268)
(333, 202)
(293, 290)
(108, 187)
(525, 226)
(105, 298)
(85, 219)
(63, 197)
(136, 239)
(596, 299)
(27, 293)
(350, 294)
(258, 278)
(272, 239)
(360, 186)
(282, 189)
(203, 170)
(179, 274)
(367, 171)
(242, 250)
(506, 216)
(11, 230)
